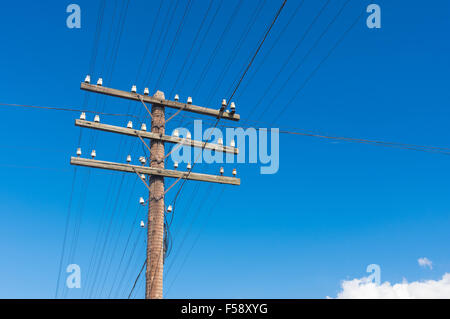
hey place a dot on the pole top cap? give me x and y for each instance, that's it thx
(159, 95)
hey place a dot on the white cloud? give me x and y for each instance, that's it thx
(364, 288)
(425, 262)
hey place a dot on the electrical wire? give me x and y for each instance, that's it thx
(219, 43)
(137, 278)
(66, 109)
(305, 57)
(137, 76)
(117, 237)
(235, 51)
(318, 67)
(122, 280)
(66, 230)
(122, 144)
(220, 194)
(202, 41)
(289, 58)
(218, 82)
(174, 43)
(193, 42)
(274, 44)
(114, 54)
(162, 35)
(233, 93)
(304, 132)
(106, 239)
(86, 97)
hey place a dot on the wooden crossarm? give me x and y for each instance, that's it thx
(154, 171)
(155, 136)
(152, 100)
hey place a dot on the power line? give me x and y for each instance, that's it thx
(122, 143)
(304, 132)
(174, 42)
(322, 136)
(238, 84)
(218, 118)
(202, 41)
(172, 46)
(408, 146)
(257, 50)
(422, 148)
(196, 214)
(98, 30)
(137, 278)
(318, 66)
(305, 57)
(55, 108)
(193, 42)
(118, 235)
(218, 45)
(196, 238)
(66, 230)
(86, 97)
(99, 231)
(234, 91)
(291, 18)
(162, 35)
(114, 54)
(291, 55)
(217, 85)
(122, 279)
(130, 234)
(236, 50)
(150, 37)
(106, 238)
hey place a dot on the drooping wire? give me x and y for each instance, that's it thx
(113, 56)
(230, 60)
(162, 36)
(127, 266)
(235, 51)
(66, 109)
(66, 230)
(274, 44)
(122, 142)
(137, 278)
(193, 42)
(289, 58)
(233, 93)
(305, 57)
(317, 68)
(174, 42)
(86, 97)
(195, 240)
(217, 47)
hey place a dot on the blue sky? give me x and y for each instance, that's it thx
(331, 210)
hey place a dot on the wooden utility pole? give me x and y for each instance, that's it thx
(155, 229)
(156, 172)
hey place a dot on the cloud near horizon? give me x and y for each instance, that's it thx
(425, 262)
(364, 288)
